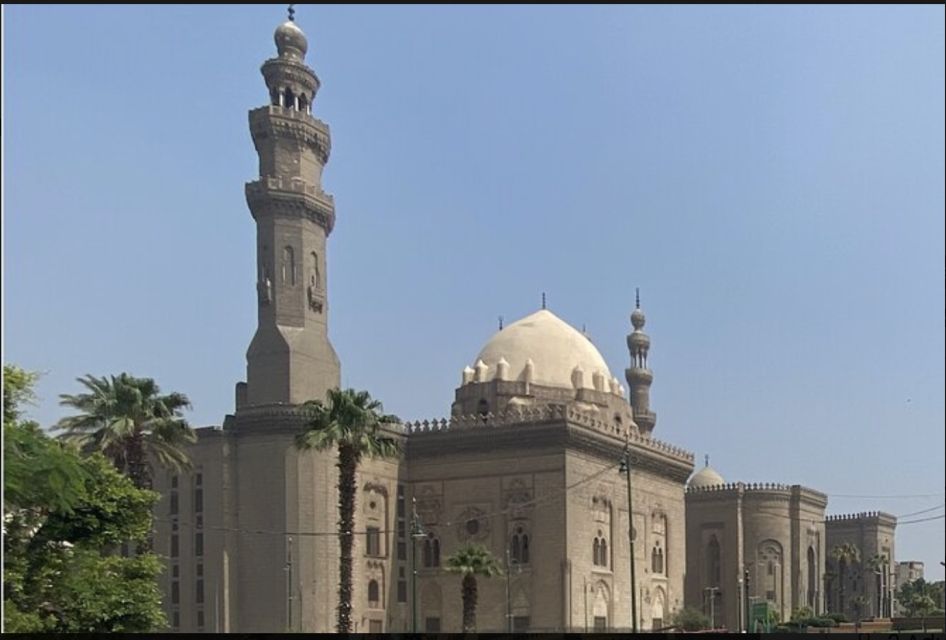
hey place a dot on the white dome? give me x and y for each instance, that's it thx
(556, 349)
(705, 477)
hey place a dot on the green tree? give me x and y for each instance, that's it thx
(350, 421)
(61, 513)
(128, 420)
(690, 619)
(919, 597)
(844, 555)
(471, 561)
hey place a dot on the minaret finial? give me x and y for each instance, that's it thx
(706, 459)
(543, 299)
(292, 13)
(637, 292)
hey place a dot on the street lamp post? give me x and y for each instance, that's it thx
(712, 604)
(417, 533)
(626, 469)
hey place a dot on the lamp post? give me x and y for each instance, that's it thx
(417, 532)
(712, 604)
(626, 469)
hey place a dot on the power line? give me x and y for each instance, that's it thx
(916, 513)
(902, 495)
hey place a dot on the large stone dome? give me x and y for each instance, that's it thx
(561, 356)
(705, 477)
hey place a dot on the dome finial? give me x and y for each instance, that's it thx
(292, 13)
(706, 459)
(500, 323)
(543, 299)
(637, 292)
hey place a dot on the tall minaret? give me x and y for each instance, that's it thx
(290, 359)
(639, 377)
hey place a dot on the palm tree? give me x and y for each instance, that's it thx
(128, 420)
(471, 561)
(878, 566)
(843, 555)
(351, 421)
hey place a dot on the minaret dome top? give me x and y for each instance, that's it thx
(290, 41)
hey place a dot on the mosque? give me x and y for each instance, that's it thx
(532, 462)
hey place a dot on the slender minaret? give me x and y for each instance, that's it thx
(639, 377)
(290, 359)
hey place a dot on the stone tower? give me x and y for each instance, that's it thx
(639, 377)
(290, 359)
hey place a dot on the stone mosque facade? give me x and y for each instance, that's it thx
(528, 464)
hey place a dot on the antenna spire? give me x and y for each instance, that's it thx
(292, 13)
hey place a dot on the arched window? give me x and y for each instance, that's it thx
(657, 559)
(600, 550)
(290, 99)
(712, 562)
(431, 551)
(316, 276)
(483, 407)
(274, 97)
(519, 546)
(596, 552)
(303, 103)
(374, 593)
(288, 266)
(812, 577)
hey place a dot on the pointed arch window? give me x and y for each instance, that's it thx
(519, 546)
(713, 562)
(289, 266)
(374, 593)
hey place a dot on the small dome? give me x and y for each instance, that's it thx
(705, 477)
(553, 347)
(638, 319)
(290, 40)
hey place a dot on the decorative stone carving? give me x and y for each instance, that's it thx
(265, 289)
(472, 525)
(315, 300)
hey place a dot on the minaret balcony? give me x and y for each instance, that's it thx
(281, 196)
(639, 375)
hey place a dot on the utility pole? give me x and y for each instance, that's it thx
(626, 469)
(289, 585)
(712, 604)
(417, 532)
(745, 593)
(508, 601)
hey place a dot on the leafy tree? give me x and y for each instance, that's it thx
(919, 597)
(859, 602)
(128, 420)
(350, 421)
(470, 561)
(690, 619)
(843, 555)
(62, 512)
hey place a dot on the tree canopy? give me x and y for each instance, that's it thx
(64, 515)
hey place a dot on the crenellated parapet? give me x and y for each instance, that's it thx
(864, 516)
(274, 121)
(278, 195)
(521, 416)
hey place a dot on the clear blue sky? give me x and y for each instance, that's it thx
(771, 177)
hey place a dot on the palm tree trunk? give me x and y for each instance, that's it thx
(469, 604)
(136, 459)
(347, 466)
